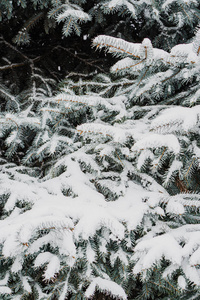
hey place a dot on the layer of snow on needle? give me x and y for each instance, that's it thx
(3, 285)
(116, 133)
(157, 140)
(105, 285)
(5, 290)
(155, 248)
(130, 208)
(77, 14)
(185, 119)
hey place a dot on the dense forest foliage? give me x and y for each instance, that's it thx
(99, 149)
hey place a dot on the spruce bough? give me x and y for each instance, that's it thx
(100, 173)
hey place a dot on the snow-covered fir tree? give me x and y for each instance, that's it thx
(100, 173)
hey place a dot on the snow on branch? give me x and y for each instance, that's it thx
(143, 51)
(179, 246)
(173, 119)
(71, 14)
(115, 5)
(113, 103)
(5, 290)
(106, 286)
(76, 14)
(157, 140)
(52, 261)
(117, 45)
(117, 134)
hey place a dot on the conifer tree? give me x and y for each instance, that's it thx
(99, 180)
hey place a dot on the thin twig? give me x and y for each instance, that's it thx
(79, 58)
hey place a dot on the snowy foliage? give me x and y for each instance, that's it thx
(99, 178)
(171, 16)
